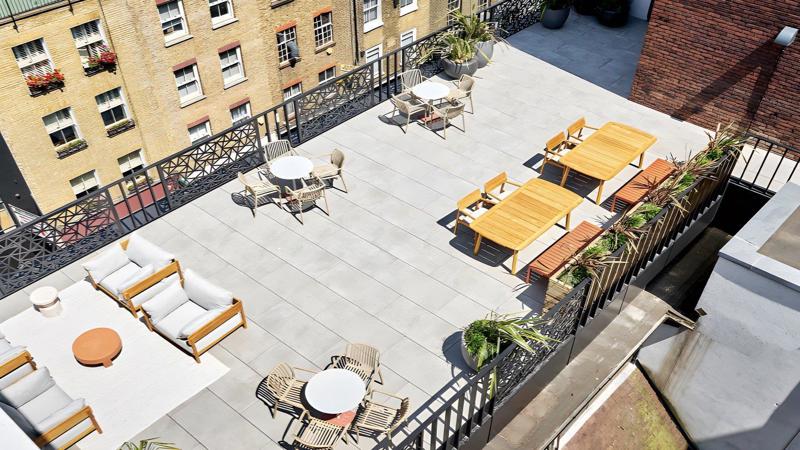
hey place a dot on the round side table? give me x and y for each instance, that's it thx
(335, 391)
(45, 300)
(97, 346)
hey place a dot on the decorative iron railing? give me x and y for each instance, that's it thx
(766, 165)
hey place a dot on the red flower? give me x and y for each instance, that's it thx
(44, 81)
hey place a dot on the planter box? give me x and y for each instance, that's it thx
(556, 291)
(65, 150)
(35, 92)
(91, 71)
(121, 128)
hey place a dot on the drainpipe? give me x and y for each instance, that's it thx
(356, 50)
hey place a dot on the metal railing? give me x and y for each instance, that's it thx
(59, 238)
(766, 165)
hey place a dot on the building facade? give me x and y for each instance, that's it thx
(92, 91)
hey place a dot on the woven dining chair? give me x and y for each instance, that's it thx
(333, 169)
(365, 356)
(411, 78)
(575, 132)
(274, 150)
(406, 105)
(446, 113)
(463, 90)
(495, 189)
(281, 387)
(375, 418)
(554, 149)
(314, 189)
(469, 208)
(318, 434)
(258, 189)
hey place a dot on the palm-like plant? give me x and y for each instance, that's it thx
(148, 444)
(623, 232)
(485, 338)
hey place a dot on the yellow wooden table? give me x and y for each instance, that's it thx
(606, 152)
(524, 215)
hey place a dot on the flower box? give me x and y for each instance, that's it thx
(42, 84)
(105, 61)
(120, 127)
(70, 147)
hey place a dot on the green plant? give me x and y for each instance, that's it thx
(586, 264)
(148, 444)
(486, 338)
(458, 49)
(472, 28)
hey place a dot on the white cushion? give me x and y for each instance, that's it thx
(115, 282)
(137, 277)
(502, 195)
(45, 404)
(165, 302)
(203, 292)
(26, 389)
(199, 322)
(173, 323)
(59, 416)
(143, 252)
(20, 420)
(107, 263)
(4, 345)
(151, 292)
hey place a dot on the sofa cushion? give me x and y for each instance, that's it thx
(27, 388)
(115, 281)
(165, 302)
(203, 292)
(143, 252)
(45, 404)
(199, 321)
(10, 353)
(58, 417)
(107, 263)
(20, 420)
(4, 345)
(172, 324)
(137, 277)
(150, 292)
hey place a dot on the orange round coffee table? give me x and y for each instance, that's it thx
(97, 346)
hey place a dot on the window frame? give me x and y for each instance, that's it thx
(248, 114)
(73, 124)
(409, 8)
(206, 125)
(377, 22)
(36, 60)
(122, 103)
(323, 80)
(90, 47)
(174, 36)
(320, 30)
(219, 20)
(283, 48)
(376, 64)
(290, 106)
(452, 9)
(141, 165)
(413, 32)
(239, 62)
(91, 189)
(196, 73)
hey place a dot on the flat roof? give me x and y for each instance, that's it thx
(784, 244)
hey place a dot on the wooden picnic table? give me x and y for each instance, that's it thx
(606, 152)
(525, 215)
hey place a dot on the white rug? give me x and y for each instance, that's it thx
(148, 379)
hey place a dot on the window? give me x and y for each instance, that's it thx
(407, 6)
(221, 11)
(232, 68)
(292, 91)
(131, 163)
(408, 37)
(284, 37)
(323, 29)
(372, 14)
(61, 127)
(374, 54)
(200, 131)
(89, 41)
(483, 4)
(188, 82)
(112, 107)
(173, 21)
(327, 74)
(84, 184)
(240, 113)
(453, 6)
(32, 58)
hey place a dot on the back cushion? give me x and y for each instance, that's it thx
(165, 301)
(203, 292)
(28, 388)
(141, 274)
(107, 263)
(143, 252)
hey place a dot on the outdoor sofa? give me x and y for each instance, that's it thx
(15, 362)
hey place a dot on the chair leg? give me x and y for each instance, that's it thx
(408, 122)
(455, 227)
(463, 124)
(544, 162)
(471, 105)
(327, 208)
(341, 177)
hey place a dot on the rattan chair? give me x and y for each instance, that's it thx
(361, 357)
(331, 170)
(318, 434)
(282, 388)
(258, 189)
(411, 78)
(469, 208)
(554, 149)
(495, 189)
(446, 112)
(407, 105)
(314, 189)
(374, 418)
(575, 132)
(274, 150)
(463, 90)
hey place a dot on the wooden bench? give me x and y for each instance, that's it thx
(550, 261)
(638, 187)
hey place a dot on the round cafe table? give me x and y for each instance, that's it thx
(97, 346)
(291, 168)
(335, 391)
(430, 91)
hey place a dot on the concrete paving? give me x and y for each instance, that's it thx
(384, 267)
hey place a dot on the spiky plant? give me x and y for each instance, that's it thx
(622, 232)
(148, 444)
(485, 338)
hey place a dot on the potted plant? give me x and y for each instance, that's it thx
(119, 127)
(71, 147)
(585, 7)
(484, 339)
(148, 444)
(484, 34)
(584, 265)
(555, 13)
(458, 56)
(41, 84)
(613, 13)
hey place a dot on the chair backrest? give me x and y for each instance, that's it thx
(470, 199)
(337, 158)
(466, 83)
(402, 105)
(411, 78)
(454, 110)
(402, 413)
(363, 353)
(310, 193)
(243, 179)
(319, 434)
(495, 182)
(280, 378)
(277, 149)
(577, 127)
(555, 142)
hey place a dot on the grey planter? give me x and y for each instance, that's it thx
(554, 18)
(455, 70)
(484, 53)
(467, 357)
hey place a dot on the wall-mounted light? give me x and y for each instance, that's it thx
(786, 36)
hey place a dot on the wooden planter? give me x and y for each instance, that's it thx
(556, 291)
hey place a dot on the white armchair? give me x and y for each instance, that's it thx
(193, 313)
(122, 267)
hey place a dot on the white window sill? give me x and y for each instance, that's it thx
(324, 47)
(177, 40)
(408, 9)
(192, 101)
(223, 22)
(232, 83)
(372, 25)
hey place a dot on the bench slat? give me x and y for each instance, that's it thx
(553, 259)
(638, 187)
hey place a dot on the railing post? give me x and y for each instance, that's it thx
(117, 221)
(165, 186)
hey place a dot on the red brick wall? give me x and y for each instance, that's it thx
(710, 61)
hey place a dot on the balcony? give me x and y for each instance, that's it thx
(383, 268)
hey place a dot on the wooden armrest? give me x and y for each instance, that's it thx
(215, 323)
(63, 427)
(466, 212)
(514, 183)
(16, 362)
(591, 128)
(493, 196)
(152, 280)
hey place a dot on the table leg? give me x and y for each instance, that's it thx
(599, 192)
(514, 263)
(107, 363)
(564, 177)
(478, 238)
(566, 225)
(641, 160)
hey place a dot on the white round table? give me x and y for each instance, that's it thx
(291, 167)
(335, 391)
(428, 90)
(45, 300)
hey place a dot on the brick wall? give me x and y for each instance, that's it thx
(712, 61)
